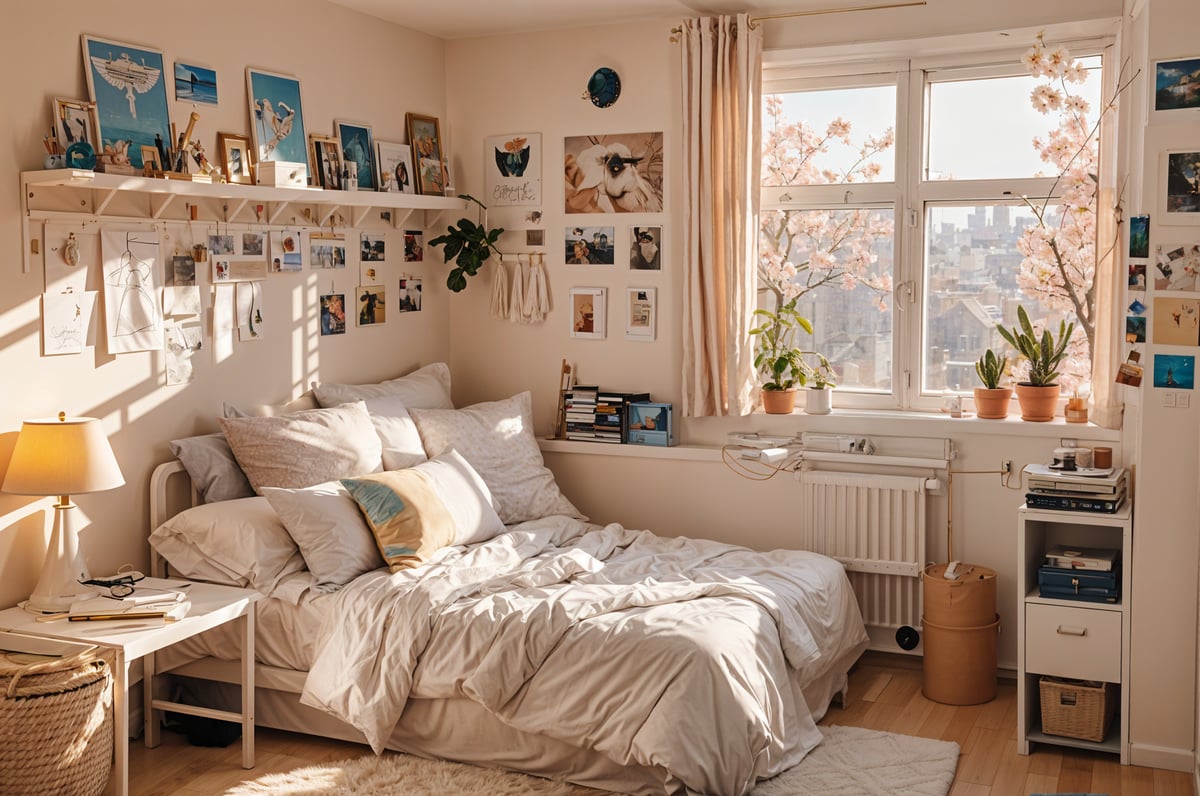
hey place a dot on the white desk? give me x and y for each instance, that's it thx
(131, 639)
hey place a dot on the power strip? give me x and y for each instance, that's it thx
(753, 440)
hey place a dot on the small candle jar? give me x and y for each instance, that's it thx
(1076, 411)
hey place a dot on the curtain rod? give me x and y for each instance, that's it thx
(818, 12)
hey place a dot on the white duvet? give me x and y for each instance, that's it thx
(660, 652)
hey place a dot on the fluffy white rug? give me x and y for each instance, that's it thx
(850, 762)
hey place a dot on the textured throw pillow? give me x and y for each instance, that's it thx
(212, 467)
(407, 516)
(305, 448)
(497, 439)
(329, 530)
(424, 388)
(234, 542)
(300, 404)
(397, 433)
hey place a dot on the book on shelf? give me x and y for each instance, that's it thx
(1108, 504)
(1090, 558)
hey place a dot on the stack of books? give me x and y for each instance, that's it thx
(612, 420)
(1081, 573)
(152, 598)
(1060, 490)
(580, 407)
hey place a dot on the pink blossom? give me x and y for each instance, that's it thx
(1045, 99)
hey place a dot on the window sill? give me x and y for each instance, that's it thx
(943, 425)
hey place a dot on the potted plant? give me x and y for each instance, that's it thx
(992, 400)
(469, 245)
(779, 361)
(1038, 395)
(819, 396)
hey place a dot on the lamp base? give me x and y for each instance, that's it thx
(59, 584)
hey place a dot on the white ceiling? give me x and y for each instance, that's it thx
(457, 19)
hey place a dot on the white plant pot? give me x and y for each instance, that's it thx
(818, 401)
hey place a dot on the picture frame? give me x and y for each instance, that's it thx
(357, 143)
(1173, 88)
(588, 312)
(425, 138)
(195, 83)
(589, 245)
(74, 120)
(395, 167)
(127, 85)
(237, 159)
(151, 161)
(641, 313)
(613, 173)
(645, 248)
(276, 117)
(325, 153)
(1179, 197)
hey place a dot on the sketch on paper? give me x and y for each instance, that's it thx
(132, 311)
(183, 340)
(66, 318)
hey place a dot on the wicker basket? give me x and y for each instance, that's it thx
(56, 725)
(1076, 708)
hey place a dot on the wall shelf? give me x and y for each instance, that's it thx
(69, 194)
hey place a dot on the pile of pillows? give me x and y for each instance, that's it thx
(353, 478)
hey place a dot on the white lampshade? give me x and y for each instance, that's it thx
(62, 456)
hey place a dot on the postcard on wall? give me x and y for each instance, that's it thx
(1135, 328)
(195, 83)
(645, 248)
(132, 280)
(1137, 276)
(641, 307)
(410, 295)
(414, 245)
(613, 173)
(286, 251)
(369, 273)
(249, 310)
(181, 294)
(372, 308)
(333, 313)
(1181, 197)
(588, 312)
(1174, 372)
(1176, 267)
(513, 169)
(1176, 322)
(221, 245)
(1177, 84)
(130, 91)
(66, 321)
(372, 247)
(1139, 236)
(327, 250)
(183, 341)
(589, 245)
(252, 244)
(222, 322)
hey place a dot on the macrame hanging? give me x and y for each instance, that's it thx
(516, 302)
(499, 306)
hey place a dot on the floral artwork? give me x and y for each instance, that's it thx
(513, 169)
(614, 173)
(425, 136)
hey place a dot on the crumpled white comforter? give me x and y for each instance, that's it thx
(664, 652)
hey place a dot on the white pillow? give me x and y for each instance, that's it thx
(234, 542)
(305, 448)
(466, 497)
(424, 388)
(397, 433)
(300, 404)
(497, 439)
(330, 531)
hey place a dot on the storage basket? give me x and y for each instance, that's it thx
(1076, 708)
(56, 725)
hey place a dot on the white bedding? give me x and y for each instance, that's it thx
(675, 654)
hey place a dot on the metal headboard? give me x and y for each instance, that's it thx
(162, 508)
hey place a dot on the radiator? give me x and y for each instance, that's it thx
(876, 526)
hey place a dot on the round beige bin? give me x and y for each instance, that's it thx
(959, 629)
(967, 601)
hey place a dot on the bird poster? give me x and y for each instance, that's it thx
(513, 168)
(276, 117)
(127, 84)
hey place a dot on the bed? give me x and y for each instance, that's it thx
(485, 620)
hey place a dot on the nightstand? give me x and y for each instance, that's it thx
(132, 639)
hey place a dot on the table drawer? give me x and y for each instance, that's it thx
(1073, 642)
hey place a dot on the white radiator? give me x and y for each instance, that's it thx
(875, 525)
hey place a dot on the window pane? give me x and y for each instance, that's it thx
(844, 262)
(829, 137)
(974, 280)
(984, 128)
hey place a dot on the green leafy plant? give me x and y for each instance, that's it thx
(779, 361)
(469, 245)
(1044, 354)
(990, 368)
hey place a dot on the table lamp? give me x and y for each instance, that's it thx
(61, 456)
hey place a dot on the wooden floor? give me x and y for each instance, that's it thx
(885, 694)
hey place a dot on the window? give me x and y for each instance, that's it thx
(908, 201)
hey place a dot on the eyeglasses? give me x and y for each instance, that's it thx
(118, 586)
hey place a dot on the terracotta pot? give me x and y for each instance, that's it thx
(818, 401)
(778, 402)
(1038, 404)
(992, 404)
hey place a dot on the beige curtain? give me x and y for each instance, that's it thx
(722, 140)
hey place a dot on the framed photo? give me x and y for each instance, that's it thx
(236, 159)
(151, 161)
(1174, 372)
(1175, 84)
(1181, 193)
(589, 245)
(645, 248)
(613, 173)
(425, 137)
(276, 117)
(127, 84)
(74, 120)
(641, 312)
(195, 83)
(358, 147)
(588, 310)
(326, 155)
(513, 169)
(395, 167)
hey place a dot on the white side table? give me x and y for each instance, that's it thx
(131, 639)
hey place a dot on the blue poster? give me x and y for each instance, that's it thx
(130, 91)
(276, 118)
